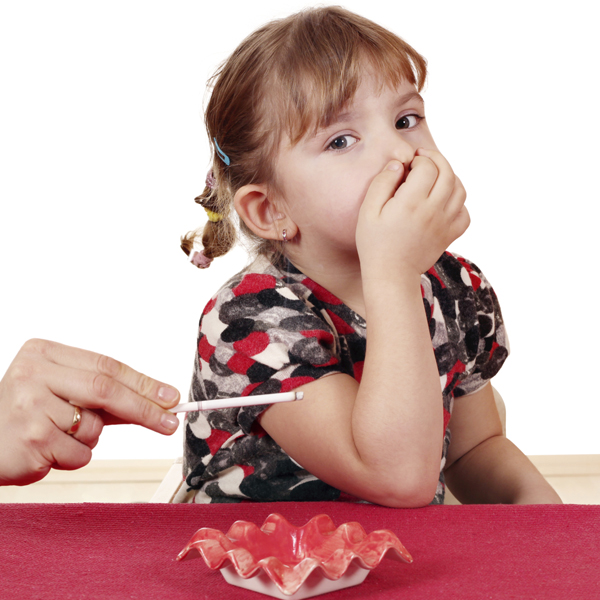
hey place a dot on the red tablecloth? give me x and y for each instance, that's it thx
(128, 551)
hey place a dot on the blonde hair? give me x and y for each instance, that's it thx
(288, 77)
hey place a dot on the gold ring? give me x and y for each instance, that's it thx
(76, 421)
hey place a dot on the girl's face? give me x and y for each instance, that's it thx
(324, 178)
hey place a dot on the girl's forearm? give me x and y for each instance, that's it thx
(397, 419)
(497, 472)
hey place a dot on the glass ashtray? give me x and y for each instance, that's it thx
(285, 561)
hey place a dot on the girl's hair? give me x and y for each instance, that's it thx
(288, 77)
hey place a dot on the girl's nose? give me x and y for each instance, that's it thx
(402, 150)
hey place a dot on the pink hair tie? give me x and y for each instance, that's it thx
(211, 182)
(201, 261)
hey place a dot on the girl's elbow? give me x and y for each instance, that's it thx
(415, 493)
(416, 499)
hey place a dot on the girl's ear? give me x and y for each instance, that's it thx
(257, 210)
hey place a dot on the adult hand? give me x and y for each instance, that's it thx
(38, 398)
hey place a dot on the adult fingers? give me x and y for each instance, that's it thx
(141, 384)
(41, 445)
(90, 426)
(94, 390)
(68, 356)
(65, 452)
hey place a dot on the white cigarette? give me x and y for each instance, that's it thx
(235, 402)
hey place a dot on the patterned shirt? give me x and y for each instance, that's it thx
(272, 329)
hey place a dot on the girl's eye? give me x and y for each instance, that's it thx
(342, 142)
(408, 121)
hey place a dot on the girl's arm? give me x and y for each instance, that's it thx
(483, 466)
(382, 440)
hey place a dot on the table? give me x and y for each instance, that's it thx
(119, 551)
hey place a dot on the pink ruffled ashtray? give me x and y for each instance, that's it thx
(285, 561)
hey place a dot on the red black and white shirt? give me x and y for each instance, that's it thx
(272, 329)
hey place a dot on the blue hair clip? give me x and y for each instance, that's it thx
(222, 154)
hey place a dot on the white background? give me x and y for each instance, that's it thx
(102, 150)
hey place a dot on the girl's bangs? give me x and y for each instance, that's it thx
(317, 83)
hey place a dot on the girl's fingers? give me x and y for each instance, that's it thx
(85, 360)
(445, 181)
(456, 200)
(93, 390)
(383, 187)
(420, 181)
(460, 223)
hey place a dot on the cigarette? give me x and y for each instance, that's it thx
(235, 402)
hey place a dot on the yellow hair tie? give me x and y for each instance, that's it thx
(213, 216)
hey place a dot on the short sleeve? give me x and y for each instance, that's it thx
(493, 345)
(258, 337)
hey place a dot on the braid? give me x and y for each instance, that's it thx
(218, 234)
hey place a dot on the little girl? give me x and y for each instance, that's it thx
(322, 149)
